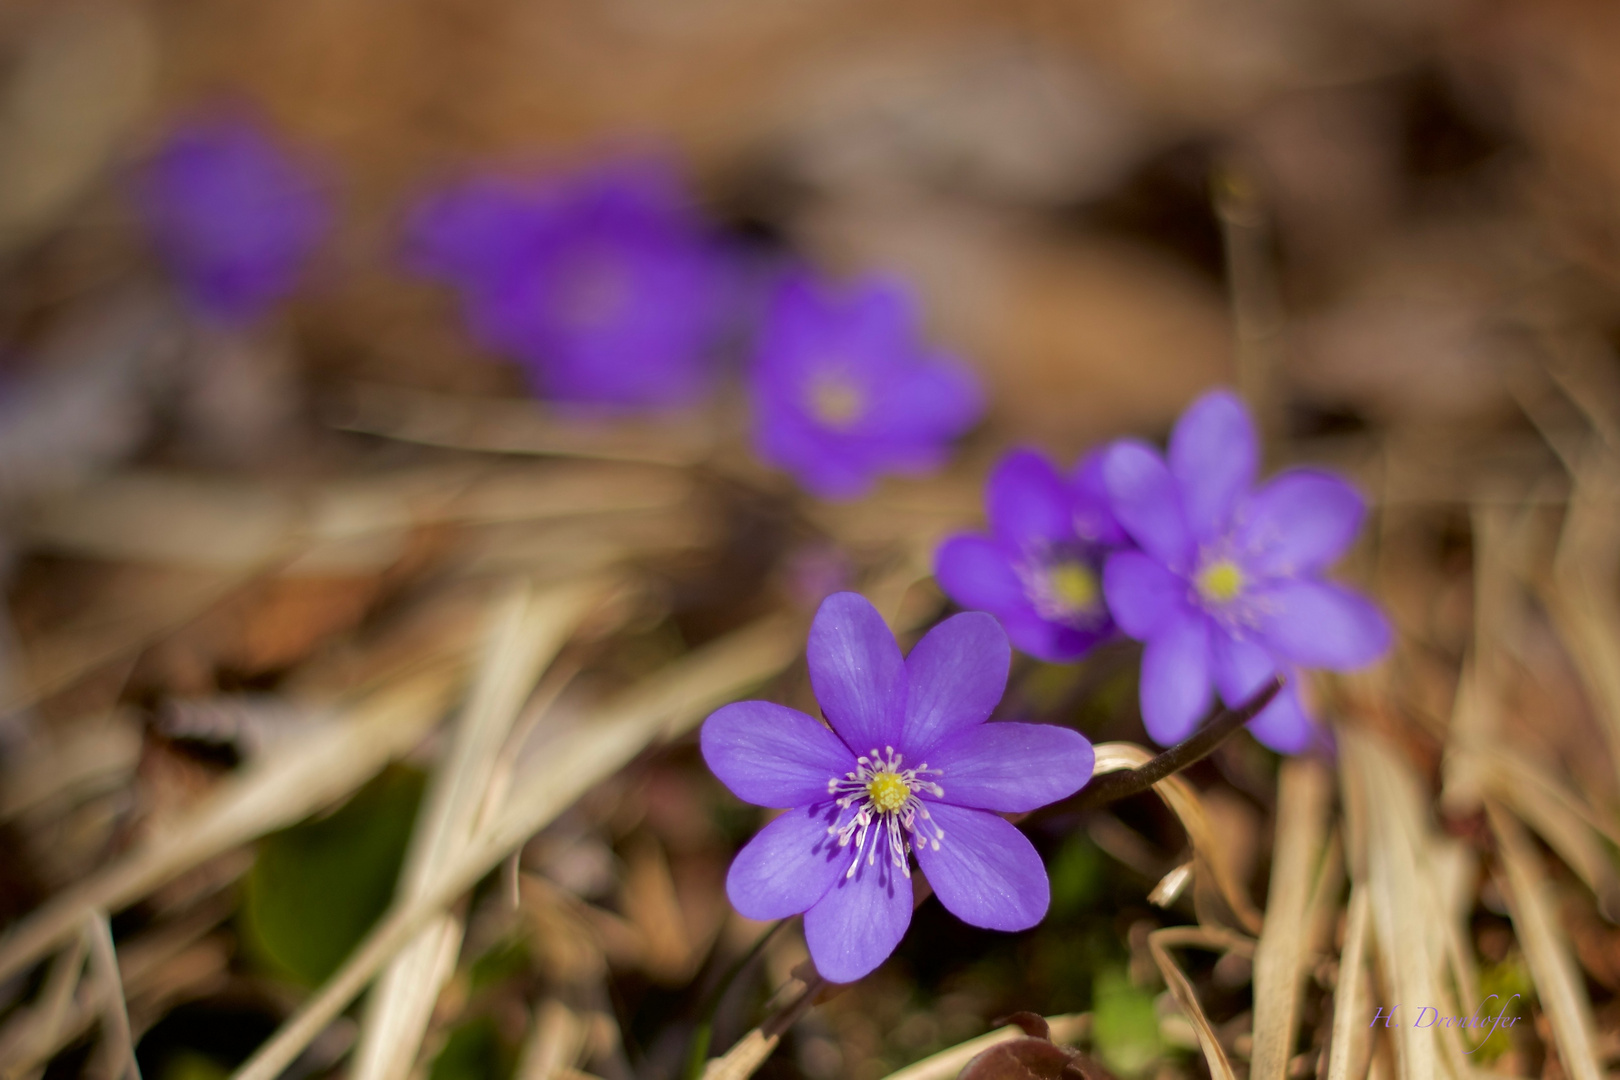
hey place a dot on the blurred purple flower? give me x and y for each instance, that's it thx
(1040, 569)
(1227, 589)
(234, 214)
(909, 766)
(843, 390)
(603, 282)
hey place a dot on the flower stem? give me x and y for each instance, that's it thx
(1200, 744)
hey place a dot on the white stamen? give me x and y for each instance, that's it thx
(872, 790)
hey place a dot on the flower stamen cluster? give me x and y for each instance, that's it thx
(880, 790)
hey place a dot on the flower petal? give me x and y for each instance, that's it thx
(1053, 642)
(1284, 725)
(1093, 515)
(955, 677)
(1176, 689)
(1011, 767)
(1026, 500)
(1147, 501)
(856, 672)
(985, 871)
(1318, 624)
(1301, 521)
(788, 866)
(1213, 456)
(939, 398)
(1142, 595)
(975, 572)
(1240, 666)
(856, 925)
(771, 755)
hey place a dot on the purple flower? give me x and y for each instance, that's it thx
(1040, 569)
(1227, 589)
(603, 282)
(843, 390)
(909, 765)
(234, 215)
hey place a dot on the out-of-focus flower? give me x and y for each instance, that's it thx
(909, 766)
(1040, 569)
(603, 282)
(843, 390)
(234, 214)
(1227, 590)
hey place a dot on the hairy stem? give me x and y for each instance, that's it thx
(1200, 744)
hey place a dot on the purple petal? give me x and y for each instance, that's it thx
(823, 465)
(1176, 690)
(1213, 455)
(1317, 624)
(976, 573)
(1093, 515)
(1026, 500)
(1012, 768)
(955, 677)
(771, 755)
(1053, 642)
(986, 872)
(937, 399)
(1240, 666)
(857, 673)
(1301, 521)
(1141, 593)
(1284, 725)
(1147, 501)
(856, 925)
(787, 866)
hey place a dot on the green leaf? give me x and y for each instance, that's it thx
(473, 1051)
(317, 887)
(1125, 1026)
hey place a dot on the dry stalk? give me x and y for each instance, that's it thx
(1282, 956)
(664, 705)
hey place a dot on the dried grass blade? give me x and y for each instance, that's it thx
(556, 1044)
(1568, 826)
(115, 1011)
(666, 703)
(1159, 944)
(743, 1059)
(1183, 800)
(274, 791)
(526, 630)
(1349, 1034)
(1304, 797)
(1065, 1029)
(33, 1034)
(1395, 885)
(1558, 980)
(502, 426)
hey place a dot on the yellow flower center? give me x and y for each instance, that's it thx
(888, 792)
(1220, 581)
(836, 401)
(1074, 586)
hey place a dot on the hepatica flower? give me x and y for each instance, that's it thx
(233, 214)
(603, 282)
(909, 766)
(843, 390)
(1040, 569)
(1227, 588)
